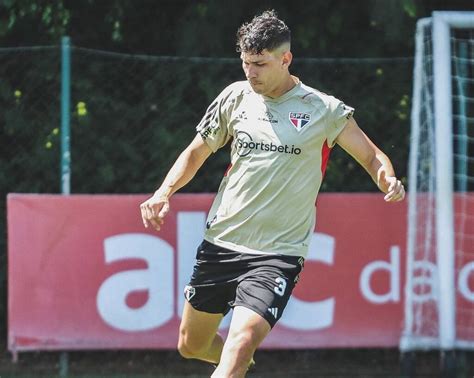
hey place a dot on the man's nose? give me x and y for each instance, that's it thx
(251, 72)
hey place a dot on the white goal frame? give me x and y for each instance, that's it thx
(442, 23)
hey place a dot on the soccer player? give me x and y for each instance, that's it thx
(262, 218)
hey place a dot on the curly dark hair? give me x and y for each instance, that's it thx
(265, 31)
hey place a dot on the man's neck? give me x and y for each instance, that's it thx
(287, 85)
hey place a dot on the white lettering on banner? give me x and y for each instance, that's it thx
(424, 281)
(393, 269)
(463, 281)
(156, 279)
(305, 315)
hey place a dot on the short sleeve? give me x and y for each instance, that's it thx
(339, 114)
(214, 125)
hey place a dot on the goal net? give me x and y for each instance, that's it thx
(439, 291)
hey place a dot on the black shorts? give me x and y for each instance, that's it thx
(223, 279)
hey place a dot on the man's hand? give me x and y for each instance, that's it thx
(392, 187)
(154, 210)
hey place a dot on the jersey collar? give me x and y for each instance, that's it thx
(286, 95)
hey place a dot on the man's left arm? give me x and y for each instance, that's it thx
(353, 140)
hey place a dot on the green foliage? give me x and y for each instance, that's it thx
(46, 20)
(409, 7)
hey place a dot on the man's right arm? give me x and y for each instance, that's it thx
(183, 170)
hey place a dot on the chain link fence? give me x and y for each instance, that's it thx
(131, 115)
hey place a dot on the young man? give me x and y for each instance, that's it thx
(263, 216)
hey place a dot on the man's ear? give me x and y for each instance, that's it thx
(286, 59)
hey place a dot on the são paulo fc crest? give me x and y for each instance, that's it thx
(189, 292)
(299, 120)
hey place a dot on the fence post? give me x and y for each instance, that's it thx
(65, 148)
(65, 115)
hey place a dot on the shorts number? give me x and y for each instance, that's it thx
(280, 289)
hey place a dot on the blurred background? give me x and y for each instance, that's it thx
(142, 74)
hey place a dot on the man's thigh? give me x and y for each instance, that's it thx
(247, 320)
(267, 287)
(198, 328)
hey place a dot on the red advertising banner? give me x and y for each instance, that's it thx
(83, 273)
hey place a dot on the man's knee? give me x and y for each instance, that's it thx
(189, 347)
(244, 340)
(247, 331)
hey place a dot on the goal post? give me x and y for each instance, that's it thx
(444, 183)
(440, 240)
(406, 341)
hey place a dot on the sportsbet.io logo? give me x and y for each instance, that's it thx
(244, 144)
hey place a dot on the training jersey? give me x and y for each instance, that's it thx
(279, 150)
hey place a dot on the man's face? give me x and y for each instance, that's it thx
(266, 71)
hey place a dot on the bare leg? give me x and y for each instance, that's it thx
(198, 336)
(247, 331)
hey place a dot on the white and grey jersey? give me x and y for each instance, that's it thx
(280, 147)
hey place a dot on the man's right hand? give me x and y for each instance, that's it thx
(154, 210)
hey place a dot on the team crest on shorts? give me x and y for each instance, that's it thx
(189, 292)
(299, 120)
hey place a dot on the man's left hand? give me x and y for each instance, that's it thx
(396, 190)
